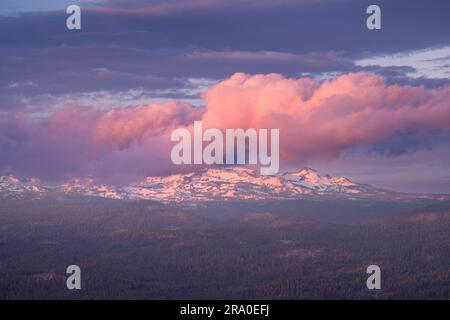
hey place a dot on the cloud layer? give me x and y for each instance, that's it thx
(320, 120)
(317, 121)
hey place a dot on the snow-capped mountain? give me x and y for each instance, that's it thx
(12, 187)
(88, 187)
(314, 180)
(237, 183)
(212, 184)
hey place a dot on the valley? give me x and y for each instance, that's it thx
(279, 250)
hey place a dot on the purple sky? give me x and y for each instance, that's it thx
(60, 89)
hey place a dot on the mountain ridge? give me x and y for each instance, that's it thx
(212, 184)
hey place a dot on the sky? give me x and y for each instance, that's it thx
(371, 105)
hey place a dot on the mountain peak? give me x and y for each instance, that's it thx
(314, 179)
(302, 172)
(12, 185)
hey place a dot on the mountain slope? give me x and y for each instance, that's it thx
(12, 187)
(240, 184)
(212, 184)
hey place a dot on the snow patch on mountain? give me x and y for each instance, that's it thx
(11, 186)
(212, 184)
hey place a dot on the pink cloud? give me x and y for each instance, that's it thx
(125, 126)
(317, 121)
(320, 120)
(84, 141)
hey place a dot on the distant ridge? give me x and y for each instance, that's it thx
(213, 184)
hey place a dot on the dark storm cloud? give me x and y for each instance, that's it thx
(148, 44)
(292, 27)
(405, 143)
